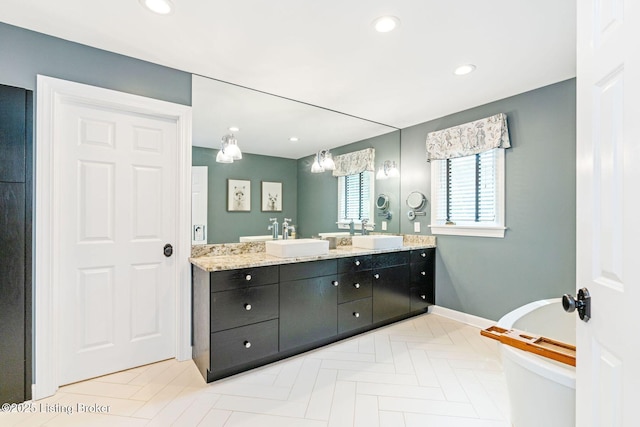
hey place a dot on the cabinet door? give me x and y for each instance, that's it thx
(308, 311)
(390, 293)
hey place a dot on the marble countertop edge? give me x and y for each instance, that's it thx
(260, 259)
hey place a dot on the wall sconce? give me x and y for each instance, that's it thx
(322, 162)
(388, 169)
(229, 151)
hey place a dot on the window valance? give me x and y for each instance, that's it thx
(469, 138)
(355, 162)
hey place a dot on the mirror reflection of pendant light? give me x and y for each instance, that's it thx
(229, 150)
(323, 161)
(388, 169)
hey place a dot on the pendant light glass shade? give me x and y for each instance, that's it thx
(223, 157)
(232, 146)
(327, 162)
(316, 167)
(323, 162)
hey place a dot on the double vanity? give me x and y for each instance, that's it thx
(252, 306)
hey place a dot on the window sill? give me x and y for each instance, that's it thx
(469, 230)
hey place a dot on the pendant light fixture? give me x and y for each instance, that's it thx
(229, 150)
(323, 161)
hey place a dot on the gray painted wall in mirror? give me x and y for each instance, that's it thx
(489, 277)
(318, 193)
(227, 226)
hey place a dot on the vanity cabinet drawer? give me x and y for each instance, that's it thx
(419, 255)
(421, 272)
(354, 286)
(353, 264)
(354, 315)
(243, 278)
(239, 307)
(242, 345)
(421, 298)
(306, 270)
(389, 259)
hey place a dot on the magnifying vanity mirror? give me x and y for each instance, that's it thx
(416, 201)
(382, 203)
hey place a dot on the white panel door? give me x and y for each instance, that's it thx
(608, 204)
(117, 185)
(199, 200)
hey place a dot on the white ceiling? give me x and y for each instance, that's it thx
(326, 52)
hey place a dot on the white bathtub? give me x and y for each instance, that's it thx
(542, 391)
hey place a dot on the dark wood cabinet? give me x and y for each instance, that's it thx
(15, 243)
(390, 292)
(245, 318)
(308, 303)
(422, 278)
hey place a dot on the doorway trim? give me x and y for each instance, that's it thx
(50, 92)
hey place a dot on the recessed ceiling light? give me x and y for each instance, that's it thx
(384, 24)
(161, 7)
(234, 129)
(464, 69)
(293, 139)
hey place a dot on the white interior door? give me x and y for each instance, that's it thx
(199, 200)
(117, 197)
(608, 204)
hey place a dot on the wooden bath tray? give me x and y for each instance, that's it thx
(546, 347)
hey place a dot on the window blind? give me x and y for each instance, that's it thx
(469, 188)
(354, 198)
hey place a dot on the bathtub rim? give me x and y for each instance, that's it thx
(565, 375)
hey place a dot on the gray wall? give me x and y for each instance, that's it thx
(488, 277)
(224, 226)
(26, 53)
(318, 195)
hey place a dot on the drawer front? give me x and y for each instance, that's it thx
(240, 307)
(421, 272)
(352, 286)
(427, 254)
(242, 278)
(238, 346)
(421, 298)
(306, 270)
(354, 264)
(390, 259)
(354, 315)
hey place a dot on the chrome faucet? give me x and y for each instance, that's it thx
(274, 228)
(352, 228)
(365, 221)
(285, 228)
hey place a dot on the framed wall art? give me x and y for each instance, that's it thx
(271, 200)
(238, 195)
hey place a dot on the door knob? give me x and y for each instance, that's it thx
(582, 304)
(168, 250)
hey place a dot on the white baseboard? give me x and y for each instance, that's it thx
(469, 319)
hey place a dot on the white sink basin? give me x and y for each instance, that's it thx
(297, 247)
(377, 241)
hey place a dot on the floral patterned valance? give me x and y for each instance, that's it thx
(469, 138)
(354, 163)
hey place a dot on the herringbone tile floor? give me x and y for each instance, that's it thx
(425, 371)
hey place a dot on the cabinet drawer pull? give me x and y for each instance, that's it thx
(424, 273)
(247, 277)
(247, 344)
(334, 283)
(356, 314)
(356, 285)
(247, 307)
(423, 296)
(357, 262)
(376, 276)
(423, 255)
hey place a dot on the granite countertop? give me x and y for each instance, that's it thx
(235, 256)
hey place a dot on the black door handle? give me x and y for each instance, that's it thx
(583, 304)
(168, 250)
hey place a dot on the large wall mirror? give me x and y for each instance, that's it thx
(278, 138)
